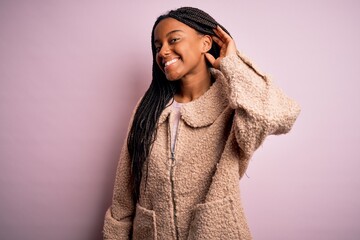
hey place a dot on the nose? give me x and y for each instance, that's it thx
(164, 51)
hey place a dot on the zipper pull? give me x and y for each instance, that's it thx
(173, 159)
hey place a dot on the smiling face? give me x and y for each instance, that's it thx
(180, 49)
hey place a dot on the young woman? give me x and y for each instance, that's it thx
(205, 113)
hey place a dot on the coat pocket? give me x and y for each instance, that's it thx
(214, 220)
(144, 226)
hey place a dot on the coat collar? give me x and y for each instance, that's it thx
(204, 110)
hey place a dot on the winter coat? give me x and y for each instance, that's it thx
(195, 193)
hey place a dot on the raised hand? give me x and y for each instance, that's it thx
(226, 44)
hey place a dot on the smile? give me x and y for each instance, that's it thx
(171, 62)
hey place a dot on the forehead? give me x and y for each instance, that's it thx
(169, 25)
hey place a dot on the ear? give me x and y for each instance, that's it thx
(206, 43)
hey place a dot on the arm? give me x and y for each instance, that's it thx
(119, 216)
(261, 108)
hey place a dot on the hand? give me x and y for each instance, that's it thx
(226, 44)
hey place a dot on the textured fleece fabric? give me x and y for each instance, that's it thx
(197, 196)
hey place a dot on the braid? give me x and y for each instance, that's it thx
(160, 93)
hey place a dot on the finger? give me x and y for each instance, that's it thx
(218, 41)
(210, 58)
(222, 34)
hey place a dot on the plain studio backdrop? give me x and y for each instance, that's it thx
(72, 71)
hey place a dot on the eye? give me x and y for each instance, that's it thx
(173, 40)
(157, 49)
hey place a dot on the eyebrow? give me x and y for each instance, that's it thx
(169, 33)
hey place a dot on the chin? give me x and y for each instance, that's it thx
(172, 77)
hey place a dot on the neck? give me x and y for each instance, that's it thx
(192, 87)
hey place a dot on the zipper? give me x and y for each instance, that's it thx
(173, 163)
(172, 166)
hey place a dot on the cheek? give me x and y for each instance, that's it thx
(191, 51)
(158, 61)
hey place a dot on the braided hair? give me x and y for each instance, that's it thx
(143, 131)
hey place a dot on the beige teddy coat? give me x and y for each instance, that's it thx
(197, 195)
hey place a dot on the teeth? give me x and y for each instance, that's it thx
(171, 62)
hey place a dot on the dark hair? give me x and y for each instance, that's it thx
(160, 93)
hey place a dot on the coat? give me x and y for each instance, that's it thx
(195, 194)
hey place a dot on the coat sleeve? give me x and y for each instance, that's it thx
(261, 107)
(119, 216)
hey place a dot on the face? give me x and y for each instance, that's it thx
(180, 49)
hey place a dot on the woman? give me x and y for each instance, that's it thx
(192, 135)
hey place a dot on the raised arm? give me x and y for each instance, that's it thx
(261, 107)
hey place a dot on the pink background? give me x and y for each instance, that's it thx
(71, 72)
